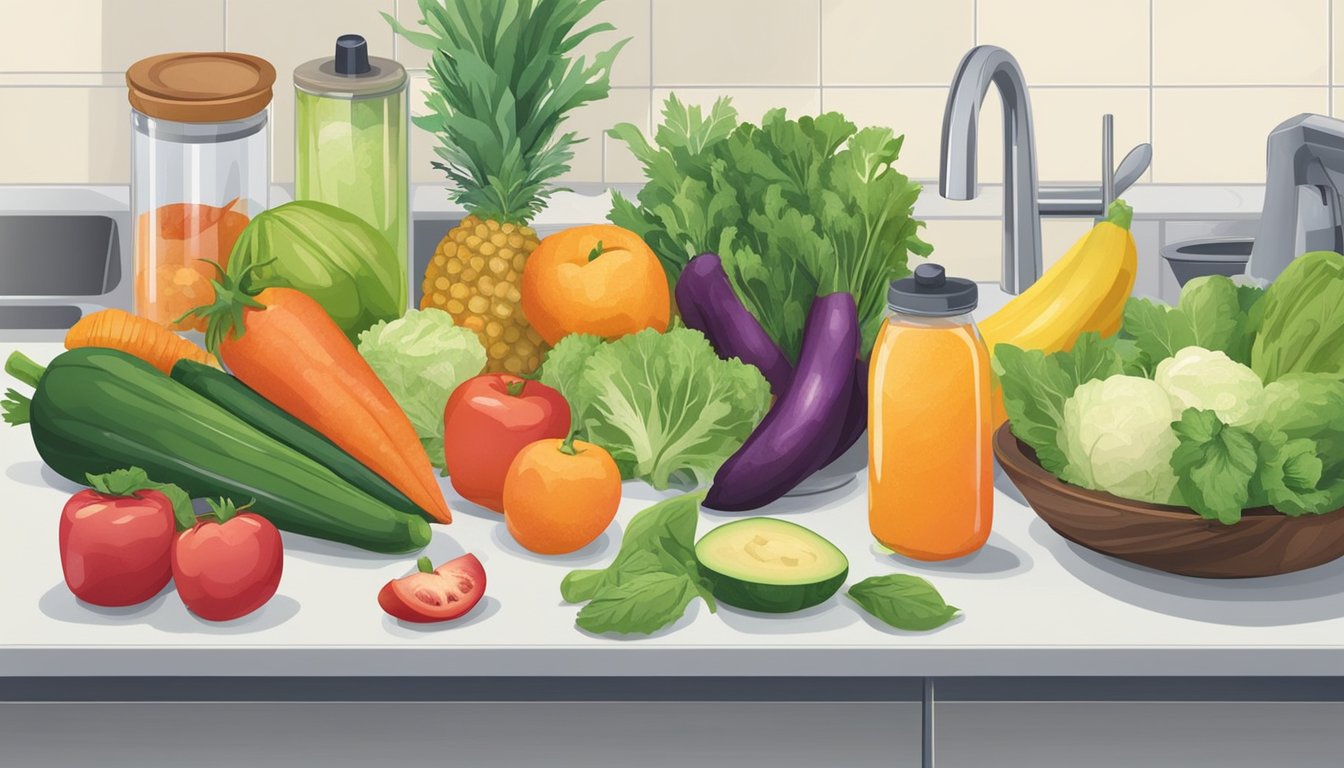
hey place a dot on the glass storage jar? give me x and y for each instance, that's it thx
(200, 154)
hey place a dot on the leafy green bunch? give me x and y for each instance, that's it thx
(1232, 399)
(794, 208)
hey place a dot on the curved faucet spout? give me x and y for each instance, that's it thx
(983, 65)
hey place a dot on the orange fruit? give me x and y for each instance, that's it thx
(559, 499)
(599, 279)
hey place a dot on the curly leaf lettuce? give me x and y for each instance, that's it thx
(1301, 433)
(421, 358)
(664, 404)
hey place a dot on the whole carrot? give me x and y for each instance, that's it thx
(134, 335)
(285, 346)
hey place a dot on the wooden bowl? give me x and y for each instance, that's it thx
(1167, 538)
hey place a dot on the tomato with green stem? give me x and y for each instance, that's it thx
(229, 564)
(116, 538)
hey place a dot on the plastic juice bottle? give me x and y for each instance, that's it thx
(930, 469)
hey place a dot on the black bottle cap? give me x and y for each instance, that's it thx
(932, 293)
(352, 55)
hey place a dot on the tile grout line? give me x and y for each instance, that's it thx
(1152, 93)
(1330, 56)
(224, 12)
(975, 23)
(821, 57)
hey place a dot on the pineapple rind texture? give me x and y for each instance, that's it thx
(474, 276)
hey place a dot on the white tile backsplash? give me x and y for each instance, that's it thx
(1202, 80)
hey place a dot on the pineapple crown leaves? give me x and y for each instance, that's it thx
(503, 77)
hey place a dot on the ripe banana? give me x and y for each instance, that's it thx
(1084, 291)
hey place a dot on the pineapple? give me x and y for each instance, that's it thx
(501, 83)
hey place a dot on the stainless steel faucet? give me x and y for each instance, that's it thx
(1023, 202)
(1303, 183)
(987, 64)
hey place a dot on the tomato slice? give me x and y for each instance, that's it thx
(435, 594)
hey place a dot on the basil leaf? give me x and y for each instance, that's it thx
(903, 601)
(659, 540)
(641, 605)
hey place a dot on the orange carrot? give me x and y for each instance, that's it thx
(285, 346)
(134, 335)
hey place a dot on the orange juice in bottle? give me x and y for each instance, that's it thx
(930, 469)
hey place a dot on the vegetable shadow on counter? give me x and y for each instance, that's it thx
(997, 559)
(1301, 597)
(163, 614)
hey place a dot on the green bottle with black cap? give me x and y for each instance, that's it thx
(350, 140)
(930, 466)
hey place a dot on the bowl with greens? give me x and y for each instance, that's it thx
(1204, 439)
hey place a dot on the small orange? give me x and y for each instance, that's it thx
(599, 279)
(560, 495)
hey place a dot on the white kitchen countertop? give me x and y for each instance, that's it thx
(1033, 604)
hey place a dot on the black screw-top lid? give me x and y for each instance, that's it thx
(930, 292)
(352, 55)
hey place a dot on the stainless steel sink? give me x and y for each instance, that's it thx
(64, 252)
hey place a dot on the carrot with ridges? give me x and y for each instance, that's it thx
(283, 344)
(134, 335)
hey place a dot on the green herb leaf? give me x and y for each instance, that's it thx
(1214, 464)
(659, 541)
(794, 208)
(903, 601)
(641, 605)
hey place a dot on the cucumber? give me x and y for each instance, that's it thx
(769, 565)
(242, 401)
(96, 410)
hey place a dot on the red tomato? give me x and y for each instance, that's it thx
(487, 421)
(115, 549)
(230, 569)
(435, 594)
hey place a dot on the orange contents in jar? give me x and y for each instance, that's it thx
(170, 278)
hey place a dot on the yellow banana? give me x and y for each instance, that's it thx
(1084, 291)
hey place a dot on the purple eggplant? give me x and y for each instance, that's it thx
(709, 304)
(801, 431)
(856, 417)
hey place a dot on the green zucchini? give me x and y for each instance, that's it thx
(242, 401)
(96, 410)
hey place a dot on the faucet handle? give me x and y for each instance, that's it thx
(1093, 201)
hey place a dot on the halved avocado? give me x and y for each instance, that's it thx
(769, 565)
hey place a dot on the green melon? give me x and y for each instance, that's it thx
(769, 565)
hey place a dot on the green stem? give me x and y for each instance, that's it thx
(598, 251)
(24, 368)
(1120, 214)
(515, 388)
(567, 447)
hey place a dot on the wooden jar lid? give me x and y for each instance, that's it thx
(200, 87)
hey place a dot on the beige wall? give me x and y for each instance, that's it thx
(1204, 80)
